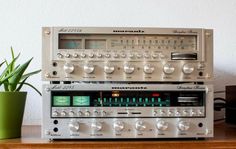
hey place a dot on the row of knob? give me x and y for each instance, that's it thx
(79, 113)
(119, 126)
(129, 68)
(107, 55)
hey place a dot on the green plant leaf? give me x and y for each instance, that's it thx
(2, 63)
(13, 57)
(33, 88)
(5, 84)
(14, 80)
(30, 74)
(21, 84)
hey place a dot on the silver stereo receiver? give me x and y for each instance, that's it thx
(95, 111)
(127, 54)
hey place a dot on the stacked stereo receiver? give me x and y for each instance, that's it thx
(119, 83)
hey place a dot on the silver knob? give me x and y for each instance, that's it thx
(96, 126)
(188, 68)
(123, 55)
(83, 55)
(63, 113)
(80, 113)
(162, 125)
(87, 113)
(140, 125)
(131, 55)
(74, 126)
(107, 55)
(148, 68)
(68, 68)
(168, 69)
(59, 55)
(99, 55)
(183, 125)
(88, 68)
(67, 55)
(91, 55)
(116, 55)
(71, 113)
(155, 56)
(128, 68)
(75, 55)
(139, 55)
(55, 113)
(118, 125)
(146, 55)
(109, 69)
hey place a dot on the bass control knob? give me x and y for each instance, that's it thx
(128, 68)
(140, 125)
(88, 68)
(96, 126)
(168, 69)
(183, 125)
(188, 68)
(162, 125)
(119, 126)
(109, 69)
(148, 68)
(74, 126)
(68, 68)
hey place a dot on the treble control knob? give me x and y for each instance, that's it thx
(148, 68)
(140, 126)
(128, 68)
(188, 68)
(109, 69)
(168, 69)
(68, 68)
(183, 125)
(88, 68)
(96, 126)
(119, 126)
(74, 126)
(162, 125)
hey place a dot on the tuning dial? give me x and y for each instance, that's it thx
(188, 68)
(109, 69)
(128, 68)
(68, 68)
(140, 125)
(96, 126)
(119, 126)
(74, 126)
(148, 68)
(88, 68)
(162, 125)
(183, 125)
(168, 69)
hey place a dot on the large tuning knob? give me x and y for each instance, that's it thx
(162, 125)
(168, 69)
(74, 126)
(148, 68)
(118, 125)
(96, 126)
(140, 125)
(109, 68)
(128, 68)
(188, 68)
(88, 68)
(183, 125)
(68, 67)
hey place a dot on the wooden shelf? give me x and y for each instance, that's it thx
(225, 137)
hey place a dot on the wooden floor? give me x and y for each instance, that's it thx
(225, 137)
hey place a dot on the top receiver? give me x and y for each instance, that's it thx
(127, 54)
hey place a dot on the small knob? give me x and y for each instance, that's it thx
(183, 125)
(155, 56)
(67, 55)
(168, 69)
(55, 113)
(107, 55)
(109, 69)
(80, 113)
(88, 68)
(96, 126)
(140, 125)
(68, 68)
(128, 68)
(146, 55)
(162, 125)
(118, 125)
(139, 55)
(188, 68)
(99, 55)
(75, 55)
(123, 55)
(83, 55)
(74, 126)
(116, 55)
(59, 55)
(87, 113)
(131, 55)
(71, 113)
(91, 55)
(148, 68)
(63, 113)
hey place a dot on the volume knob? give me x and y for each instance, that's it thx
(128, 68)
(183, 125)
(162, 125)
(168, 69)
(148, 68)
(140, 125)
(68, 68)
(188, 68)
(88, 68)
(74, 126)
(96, 126)
(119, 126)
(109, 69)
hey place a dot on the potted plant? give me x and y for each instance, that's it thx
(12, 99)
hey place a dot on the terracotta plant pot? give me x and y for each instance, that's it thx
(12, 105)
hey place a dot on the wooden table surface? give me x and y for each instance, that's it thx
(225, 137)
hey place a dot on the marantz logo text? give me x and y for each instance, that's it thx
(190, 87)
(134, 87)
(128, 31)
(183, 31)
(70, 30)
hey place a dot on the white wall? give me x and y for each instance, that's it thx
(21, 22)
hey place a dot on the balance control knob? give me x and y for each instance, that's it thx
(128, 68)
(188, 68)
(96, 126)
(68, 68)
(168, 69)
(183, 125)
(88, 68)
(148, 68)
(119, 126)
(74, 126)
(162, 125)
(109, 69)
(140, 125)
